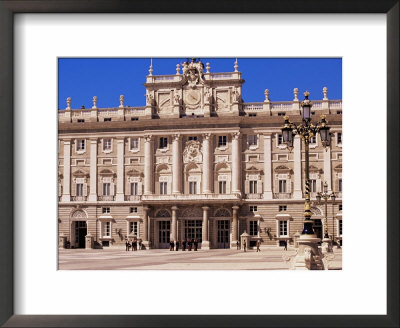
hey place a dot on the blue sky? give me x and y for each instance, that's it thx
(108, 78)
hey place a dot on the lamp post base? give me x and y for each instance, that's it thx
(308, 256)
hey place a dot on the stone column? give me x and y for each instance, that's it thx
(146, 239)
(148, 165)
(327, 168)
(66, 196)
(120, 170)
(267, 167)
(297, 192)
(236, 161)
(174, 224)
(205, 244)
(93, 170)
(207, 164)
(234, 226)
(176, 164)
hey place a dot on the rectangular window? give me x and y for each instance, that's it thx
(280, 139)
(339, 138)
(107, 229)
(133, 210)
(340, 227)
(134, 143)
(163, 188)
(134, 118)
(253, 208)
(282, 186)
(194, 138)
(340, 185)
(80, 144)
(107, 119)
(133, 228)
(222, 187)
(253, 228)
(340, 207)
(253, 187)
(281, 113)
(107, 144)
(252, 114)
(313, 140)
(134, 188)
(221, 141)
(339, 112)
(282, 208)
(81, 120)
(106, 189)
(283, 228)
(313, 185)
(163, 142)
(79, 189)
(106, 210)
(192, 187)
(253, 140)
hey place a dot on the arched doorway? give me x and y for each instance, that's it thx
(78, 229)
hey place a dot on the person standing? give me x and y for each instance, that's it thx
(258, 245)
(171, 245)
(244, 245)
(177, 245)
(127, 245)
(140, 244)
(134, 245)
(285, 244)
(189, 245)
(238, 245)
(195, 243)
(184, 245)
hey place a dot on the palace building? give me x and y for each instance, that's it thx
(195, 162)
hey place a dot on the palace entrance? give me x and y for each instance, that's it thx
(223, 233)
(164, 230)
(193, 230)
(80, 233)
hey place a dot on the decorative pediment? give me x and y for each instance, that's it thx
(163, 169)
(106, 172)
(222, 212)
(192, 212)
(163, 213)
(253, 169)
(79, 214)
(134, 173)
(338, 168)
(282, 169)
(222, 167)
(80, 174)
(192, 152)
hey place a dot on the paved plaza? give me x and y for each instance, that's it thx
(162, 259)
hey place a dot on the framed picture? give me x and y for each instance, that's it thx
(29, 275)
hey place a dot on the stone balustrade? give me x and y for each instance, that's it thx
(282, 195)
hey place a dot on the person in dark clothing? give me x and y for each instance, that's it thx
(134, 245)
(171, 245)
(177, 245)
(127, 245)
(285, 244)
(190, 243)
(140, 244)
(184, 245)
(196, 244)
(238, 245)
(244, 245)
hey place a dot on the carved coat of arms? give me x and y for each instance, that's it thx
(193, 72)
(192, 152)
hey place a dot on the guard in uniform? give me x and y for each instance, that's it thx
(184, 245)
(195, 244)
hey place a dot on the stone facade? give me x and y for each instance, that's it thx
(195, 162)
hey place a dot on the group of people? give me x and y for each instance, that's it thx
(133, 244)
(258, 244)
(191, 243)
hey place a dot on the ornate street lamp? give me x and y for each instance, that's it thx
(325, 195)
(306, 130)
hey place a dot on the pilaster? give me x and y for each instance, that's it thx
(236, 162)
(120, 170)
(328, 168)
(267, 167)
(207, 164)
(176, 164)
(297, 192)
(66, 196)
(205, 244)
(148, 165)
(93, 170)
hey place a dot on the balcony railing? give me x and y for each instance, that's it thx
(78, 198)
(282, 195)
(253, 107)
(105, 198)
(191, 197)
(132, 197)
(254, 196)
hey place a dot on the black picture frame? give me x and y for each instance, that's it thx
(7, 10)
